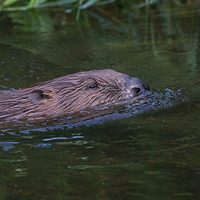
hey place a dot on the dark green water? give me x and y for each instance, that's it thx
(144, 153)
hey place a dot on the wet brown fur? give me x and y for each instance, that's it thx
(64, 95)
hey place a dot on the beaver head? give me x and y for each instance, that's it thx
(70, 94)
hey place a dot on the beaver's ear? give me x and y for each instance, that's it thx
(41, 96)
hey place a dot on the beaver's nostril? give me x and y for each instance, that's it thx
(135, 91)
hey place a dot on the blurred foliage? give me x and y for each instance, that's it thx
(70, 5)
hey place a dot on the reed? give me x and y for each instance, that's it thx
(78, 5)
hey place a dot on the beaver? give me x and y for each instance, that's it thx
(70, 94)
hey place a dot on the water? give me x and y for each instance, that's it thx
(144, 151)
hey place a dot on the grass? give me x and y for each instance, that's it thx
(23, 5)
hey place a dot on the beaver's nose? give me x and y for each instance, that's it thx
(136, 86)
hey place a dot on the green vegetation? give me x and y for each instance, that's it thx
(23, 5)
(14, 5)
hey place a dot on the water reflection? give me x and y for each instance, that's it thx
(9, 145)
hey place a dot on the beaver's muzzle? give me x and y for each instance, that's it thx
(136, 86)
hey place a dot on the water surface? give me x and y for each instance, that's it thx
(148, 151)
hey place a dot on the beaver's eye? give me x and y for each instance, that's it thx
(92, 86)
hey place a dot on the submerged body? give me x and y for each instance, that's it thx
(70, 94)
